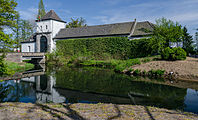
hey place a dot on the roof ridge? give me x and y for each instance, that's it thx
(51, 15)
(98, 25)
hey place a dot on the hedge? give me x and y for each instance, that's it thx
(103, 48)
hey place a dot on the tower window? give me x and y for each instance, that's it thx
(46, 26)
(41, 27)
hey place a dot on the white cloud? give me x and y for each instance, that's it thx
(183, 11)
(30, 13)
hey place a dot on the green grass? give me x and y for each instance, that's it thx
(19, 67)
(117, 65)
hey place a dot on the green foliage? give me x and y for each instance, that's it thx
(136, 72)
(145, 60)
(7, 20)
(156, 73)
(79, 22)
(104, 48)
(187, 42)
(3, 67)
(140, 48)
(180, 54)
(41, 10)
(55, 58)
(165, 31)
(173, 54)
(167, 53)
(23, 31)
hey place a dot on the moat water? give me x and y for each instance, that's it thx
(96, 85)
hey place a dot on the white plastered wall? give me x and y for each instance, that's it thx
(28, 47)
(52, 26)
(56, 27)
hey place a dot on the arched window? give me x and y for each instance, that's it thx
(43, 44)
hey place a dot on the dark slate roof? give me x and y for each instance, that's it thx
(105, 30)
(51, 15)
(143, 28)
(32, 38)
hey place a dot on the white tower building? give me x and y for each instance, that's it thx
(46, 30)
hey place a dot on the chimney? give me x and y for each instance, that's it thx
(133, 27)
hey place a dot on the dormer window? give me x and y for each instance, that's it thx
(46, 26)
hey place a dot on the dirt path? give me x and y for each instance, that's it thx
(187, 69)
(27, 111)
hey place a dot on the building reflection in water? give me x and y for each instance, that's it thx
(45, 92)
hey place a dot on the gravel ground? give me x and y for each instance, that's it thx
(186, 69)
(27, 111)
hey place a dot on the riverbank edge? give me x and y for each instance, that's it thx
(14, 68)
(174, 70)
(11, 110)
(125, 67)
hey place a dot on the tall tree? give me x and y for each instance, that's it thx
(79, 22)
(187, 41)
(26, 29)
(196, 41)
(7, 20)
(41, 10)
(23, 31)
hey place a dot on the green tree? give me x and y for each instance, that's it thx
(196, 41)
(187, 41)
(79, 22)
(23, 31)
(26, 29)
(7, 20)
(41, 10)
(165, 31)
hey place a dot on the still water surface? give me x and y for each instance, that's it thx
(94, 85)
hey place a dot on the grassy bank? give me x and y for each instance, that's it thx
(117, 65)
(18, 67)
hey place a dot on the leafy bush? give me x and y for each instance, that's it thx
(180, 54)
(173, 54)
(156, 73)
(166, 53)
(145, 60)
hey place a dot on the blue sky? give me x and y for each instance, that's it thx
(112, 11)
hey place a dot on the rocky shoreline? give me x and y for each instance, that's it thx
(79, 111)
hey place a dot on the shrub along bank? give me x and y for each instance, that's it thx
(104, 48)
(173, 54)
